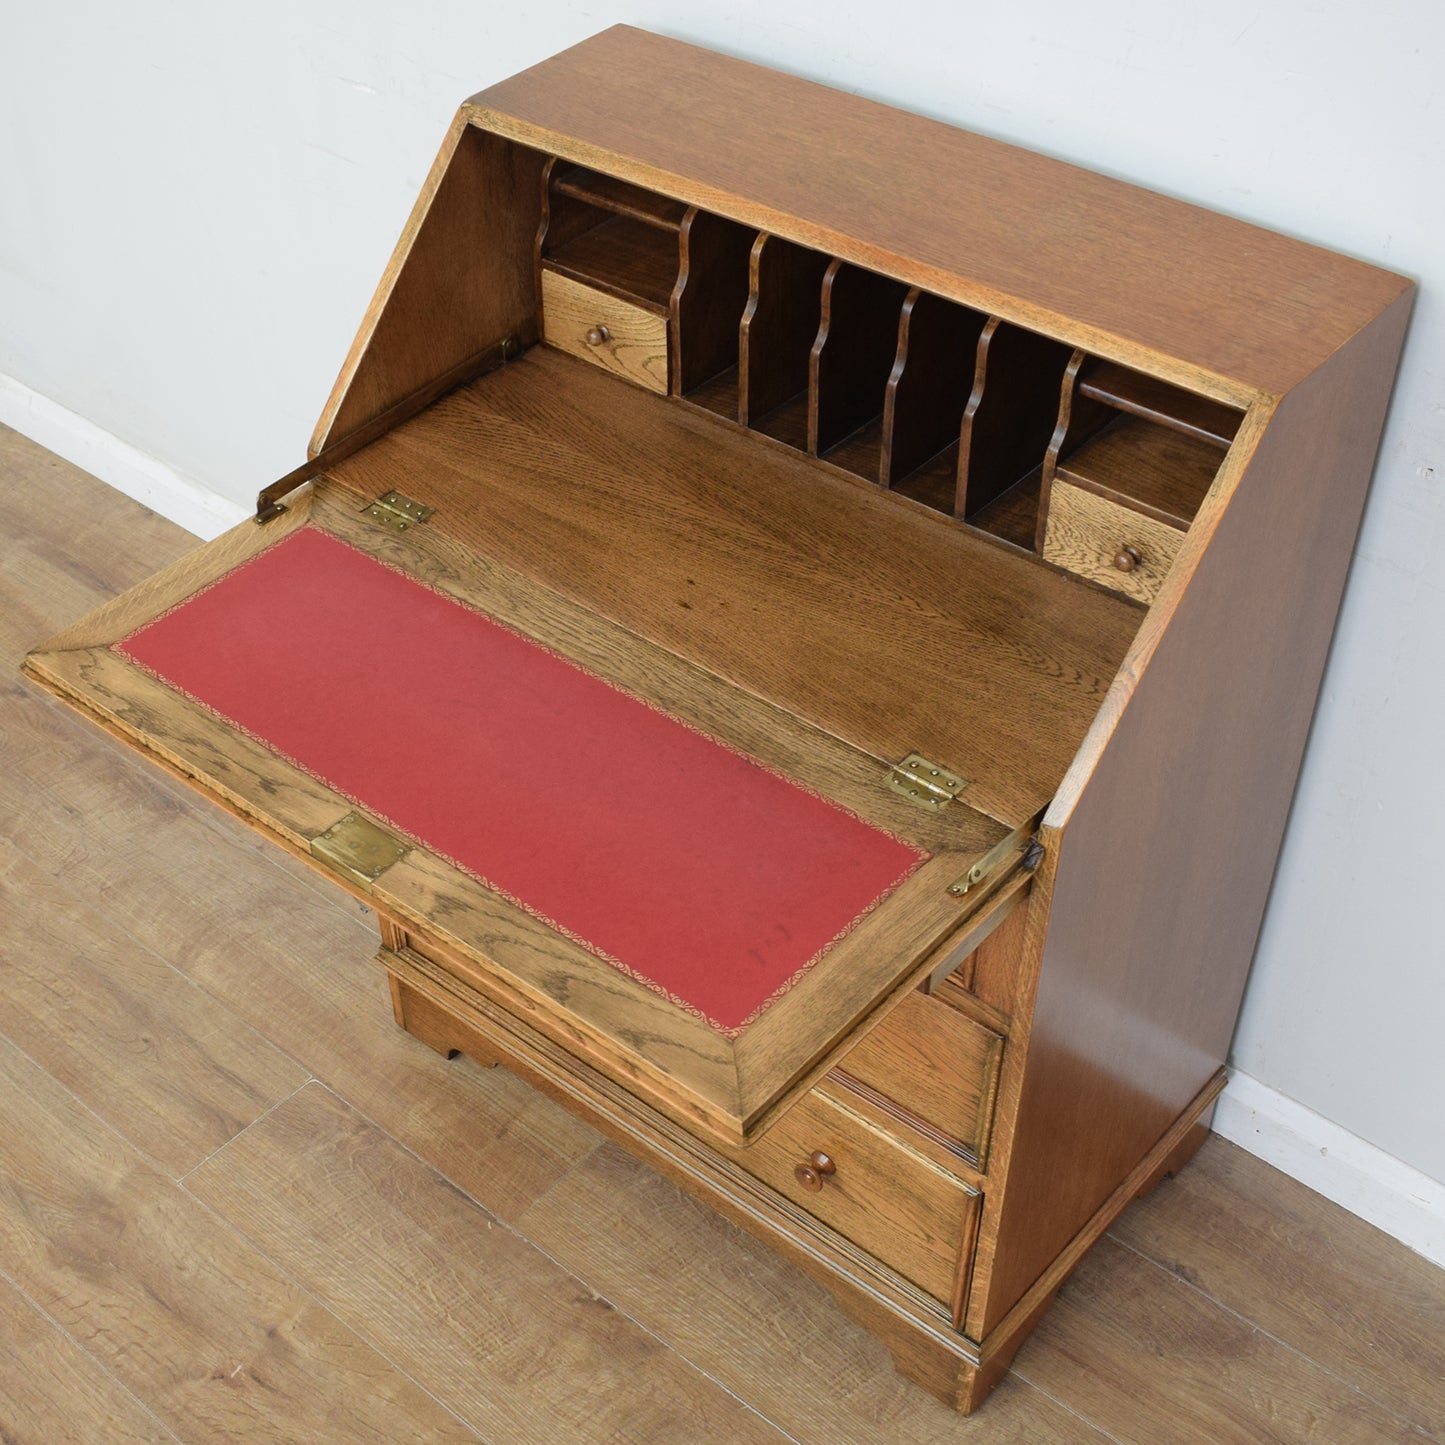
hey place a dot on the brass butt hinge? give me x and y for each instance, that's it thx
(358, 849)
(392, 509)
(925, 783)
(1019, 841)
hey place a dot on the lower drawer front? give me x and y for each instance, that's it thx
(912, 1216)
(902, 1209)
(935, 1063)
(621, 338)
(1089, 535)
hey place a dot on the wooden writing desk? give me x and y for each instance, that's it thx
(980, 520)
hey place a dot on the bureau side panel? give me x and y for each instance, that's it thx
(1161, 872)
(461, 279)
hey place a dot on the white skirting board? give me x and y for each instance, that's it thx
(1344, 1168)
(181, 499)
(1391, 1195)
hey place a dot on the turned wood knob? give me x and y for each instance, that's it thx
(812, 1174)
(1127, 558)
(598, 335)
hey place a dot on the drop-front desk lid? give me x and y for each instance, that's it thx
(697, 891)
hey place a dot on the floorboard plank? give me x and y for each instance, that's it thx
(518, 1347)
(296, 967)
(1154, 1362)
(79, 523)
(1356, 1301)
(190, 1319)
(53, 1393)
(755, 1321)
(158, 1059)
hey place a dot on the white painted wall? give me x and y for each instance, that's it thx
(195, 204)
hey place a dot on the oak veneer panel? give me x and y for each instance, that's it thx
(1085, 532)
(707, 308)
(755, 1322)
(958, 214)
(1217, 722)
(929, 386)
(158, 1059)
(633, 343)
(826, 597)
(460, 280)
(635, 261)
(1358, 1303)
(53, 1393)
(522, 1350)
(935, 1062)
(1163, 1364)
(776, 333)
(1149, 397)
(1166, 473)
(183, 1313)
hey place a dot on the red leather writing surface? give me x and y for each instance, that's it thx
(676, 859)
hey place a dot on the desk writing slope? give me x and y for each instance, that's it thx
(802, 624)
(688, 866)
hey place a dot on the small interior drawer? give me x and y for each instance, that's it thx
(935, 1063)
(1107, 543)
(627, 340)
(902, 1209)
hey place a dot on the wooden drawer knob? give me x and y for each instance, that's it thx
(597, 335)
(1127, 558)
(812, 1174)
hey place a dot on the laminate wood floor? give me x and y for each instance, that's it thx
(236, 1203)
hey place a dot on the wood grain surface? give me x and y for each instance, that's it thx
(383, 1240)
(90, 1327)
(831, 599)
(1229, 1382)
(1244, 1236)
(460, 280)
(166, 1297)
(53, 1393)
(1211, 299)
(145, 1048)
(767, 1330)
(629, 342)
(934, 1062)
(728, 1088)
(1221, 710)
(1085, 533)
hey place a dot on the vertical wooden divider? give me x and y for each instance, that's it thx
(853, 354)
(1079, 418)
(707, 304)
(1011, 414)
(777, 332)
(933, 373)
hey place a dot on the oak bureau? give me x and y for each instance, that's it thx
(802, 622)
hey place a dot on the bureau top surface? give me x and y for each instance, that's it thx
(1093, 260)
